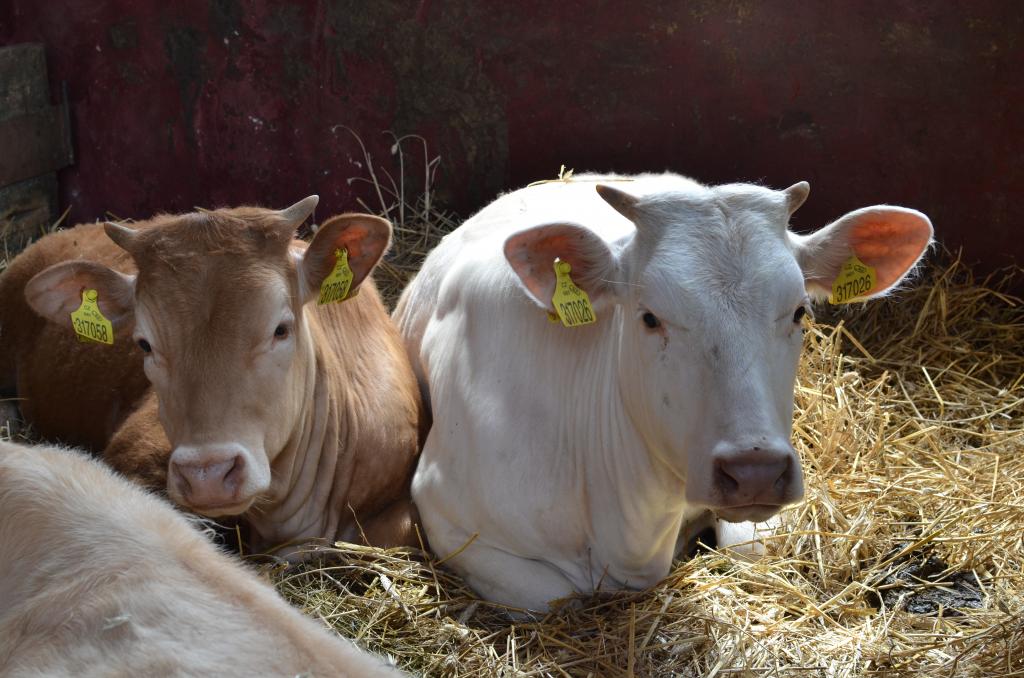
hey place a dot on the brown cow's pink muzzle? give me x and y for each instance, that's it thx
(209, 481)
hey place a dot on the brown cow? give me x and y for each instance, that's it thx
(302, 417)
(97, 577)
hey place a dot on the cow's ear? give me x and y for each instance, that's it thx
(363, 236)
(532, 253)
(55, 292)
(889, 239)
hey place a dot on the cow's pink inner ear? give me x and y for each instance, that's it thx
(363, 236)
(891, 242)
(889, 239)
(57, 291)
(532, 253)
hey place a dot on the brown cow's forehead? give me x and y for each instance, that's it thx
(216, 302)
(178, 240)
(215, 272)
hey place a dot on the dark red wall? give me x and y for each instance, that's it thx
(179, 104)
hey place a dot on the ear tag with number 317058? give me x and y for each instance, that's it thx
(572, 305)
(89, 323)
(855, 279)
(338, 282)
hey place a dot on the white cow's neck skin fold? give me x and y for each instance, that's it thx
(633, 498)
(599, 485)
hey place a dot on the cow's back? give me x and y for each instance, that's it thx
(472, 256)
(69, 391)
(100, 578)
(478, 242)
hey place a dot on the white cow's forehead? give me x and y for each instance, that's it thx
(755, 284)
(720, 249)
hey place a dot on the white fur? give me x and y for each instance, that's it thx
(98, 578)
(567, 452)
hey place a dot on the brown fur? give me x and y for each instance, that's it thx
(139, 449)
(98, 397)
(70, 392)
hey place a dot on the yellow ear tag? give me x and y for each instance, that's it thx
(335, 286)
(855, 279)
(89, 322)
(571, 303)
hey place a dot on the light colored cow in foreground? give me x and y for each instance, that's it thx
(302, 417)
(100, 578)
(579, 458)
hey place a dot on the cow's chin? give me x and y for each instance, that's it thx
(221, 510)
(754, 513)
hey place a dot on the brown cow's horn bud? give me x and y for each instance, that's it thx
(123, 237)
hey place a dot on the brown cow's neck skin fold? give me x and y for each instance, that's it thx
(303, 474)
(331, 473)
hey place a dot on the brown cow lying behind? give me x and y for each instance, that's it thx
(98, 577)
(300, 417)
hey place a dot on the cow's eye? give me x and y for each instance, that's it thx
(651, 320)
(799, 314)
(281, 331)
(144, 345)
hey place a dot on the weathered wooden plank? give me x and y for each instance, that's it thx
(27, 210)
(34, 143)
(23, 84)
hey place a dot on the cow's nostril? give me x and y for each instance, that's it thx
(756, 476)
(209, 484)
(784, 476)
(727, 484)
(184, 486)
(233, 478)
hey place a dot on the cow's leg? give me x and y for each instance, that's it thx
(701, 528)
(745, 539)
(140, 449)
(518, 582)
(394, 526)
(742, 539)
(498, 575)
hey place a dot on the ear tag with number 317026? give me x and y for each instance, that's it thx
(338, 282)
(855, 279)
(572, 305)
(89, 323)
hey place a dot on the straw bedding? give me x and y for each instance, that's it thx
(905, 558)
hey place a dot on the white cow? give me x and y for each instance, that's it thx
(580, 458)
(100, 578)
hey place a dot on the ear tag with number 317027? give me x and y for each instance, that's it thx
(855, 279)
(338, 282)
(572, 305)
(89, 323)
